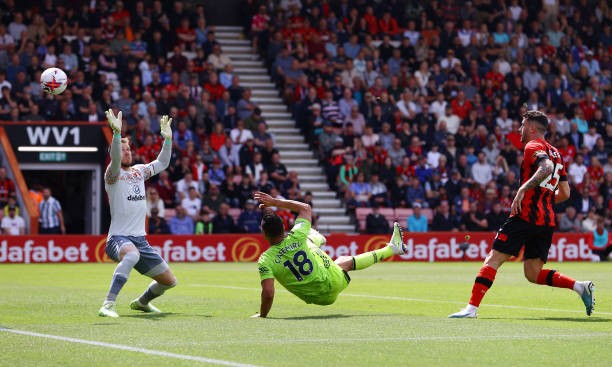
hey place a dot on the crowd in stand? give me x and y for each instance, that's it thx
(148, 59)
(406, 103)
(416, 104)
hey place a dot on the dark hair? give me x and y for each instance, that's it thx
(272, 225)
(537, 116)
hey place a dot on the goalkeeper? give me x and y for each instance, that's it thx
(296, 261)
(126, 242)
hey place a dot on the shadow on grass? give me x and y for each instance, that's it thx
(323, 317)
(161, 315)
(575, 319)
(564, 319)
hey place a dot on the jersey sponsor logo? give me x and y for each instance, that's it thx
(136, 189)
(136, 197)
(263, 270)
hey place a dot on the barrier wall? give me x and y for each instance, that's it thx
(431, 247)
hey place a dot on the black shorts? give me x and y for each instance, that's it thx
(516, 233)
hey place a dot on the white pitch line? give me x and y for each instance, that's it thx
(184, 357)
(394, 298)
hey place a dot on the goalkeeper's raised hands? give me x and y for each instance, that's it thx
(114, 121)
(164, 124)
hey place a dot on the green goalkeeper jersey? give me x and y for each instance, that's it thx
(298, 263)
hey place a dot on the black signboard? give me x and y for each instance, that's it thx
(51, 142)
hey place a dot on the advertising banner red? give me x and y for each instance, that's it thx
(430, 247)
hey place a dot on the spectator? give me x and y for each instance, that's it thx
(223, 222)
(577, 171)
(204, 224)
(185, 184)
(250, 219)
(218, 59)
(51, 219)
(12, 224)
(376, 223)
(482, 172)
(443, 220)
(602, 246)
(277, 171)
(416, 222)
(496, 217)
(165, 189)
(245, 106)
(157, 223)
(7, 187)
(181, 223)
(192, 203)
(474, 220)
(213, 199)
(570, 221)
(154, 201)
(359, 193)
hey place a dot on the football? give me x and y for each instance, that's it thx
(53, 81)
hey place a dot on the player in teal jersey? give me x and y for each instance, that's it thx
(297, 262)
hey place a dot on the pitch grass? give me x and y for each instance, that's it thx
(393, 314)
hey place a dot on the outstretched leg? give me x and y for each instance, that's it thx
(129, 256)
(395, 246)
(160, 284)
(535, 273)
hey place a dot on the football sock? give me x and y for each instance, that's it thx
(484, 281)
(121, 275)
(370, 258)
(155, 290)
(553, 278)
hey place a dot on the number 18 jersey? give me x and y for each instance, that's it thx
(298, 267)
(537, 205)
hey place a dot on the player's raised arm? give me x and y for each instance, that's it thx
(112, 172)
(303, 209)
(163, 159)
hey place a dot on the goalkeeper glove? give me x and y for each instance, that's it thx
(114, 122)
(164, 123)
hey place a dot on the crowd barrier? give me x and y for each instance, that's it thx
(428, 247)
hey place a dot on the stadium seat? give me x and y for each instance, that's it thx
(428, 213)
(401, 214)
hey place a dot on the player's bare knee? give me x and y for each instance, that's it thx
(173, 282)
(168, 281)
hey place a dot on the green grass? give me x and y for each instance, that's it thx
(393, 314)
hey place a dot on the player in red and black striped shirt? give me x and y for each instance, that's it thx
(532, 219)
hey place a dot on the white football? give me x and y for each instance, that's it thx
(53, 81)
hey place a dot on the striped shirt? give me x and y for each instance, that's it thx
(537, 205)
(48, 213)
